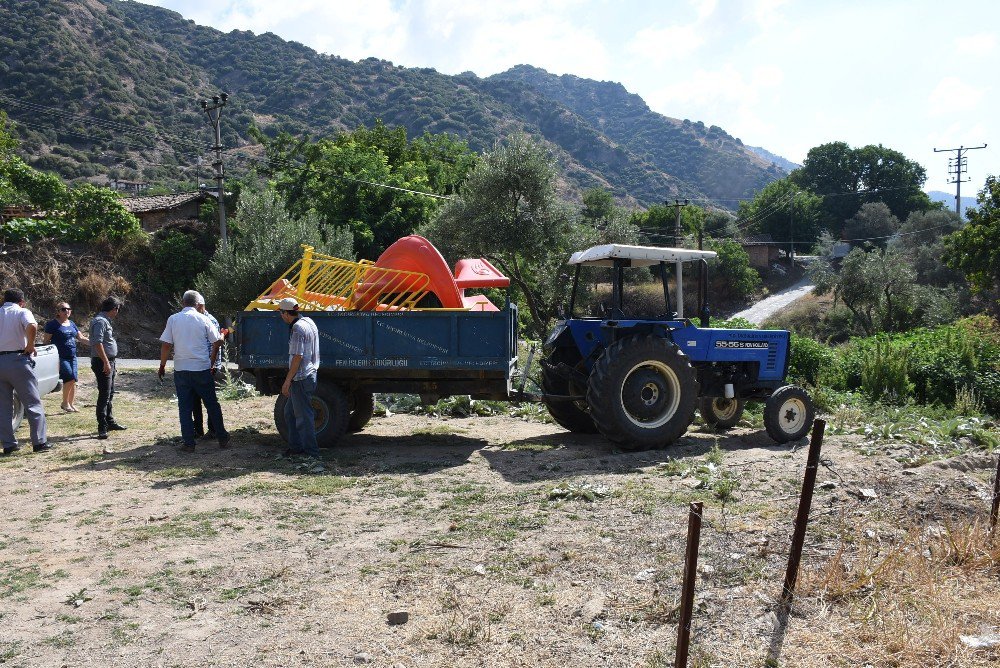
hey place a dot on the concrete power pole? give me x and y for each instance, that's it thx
(214, 113)
(956, 167)
(678, 266)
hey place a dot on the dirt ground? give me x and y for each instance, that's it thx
(507, 542)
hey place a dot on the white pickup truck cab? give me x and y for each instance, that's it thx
(47, 372)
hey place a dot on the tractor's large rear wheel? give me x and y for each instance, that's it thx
(788, 414)
(643, 392)
(572, 415)
(720, 412)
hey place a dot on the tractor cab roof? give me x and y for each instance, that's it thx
(637, 256)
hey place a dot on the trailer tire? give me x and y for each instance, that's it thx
(720, 412)
(567, 414)
(643, 392)
(330, 405)
(788, 414)
(362, 409)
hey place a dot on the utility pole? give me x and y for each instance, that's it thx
(791, 228)
(218, 102)
(677, 219)
(956, 167)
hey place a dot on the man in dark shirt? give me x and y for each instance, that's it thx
(103, 351)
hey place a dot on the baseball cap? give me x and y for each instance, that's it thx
(289, 304)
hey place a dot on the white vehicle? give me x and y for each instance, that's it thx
(47, 373)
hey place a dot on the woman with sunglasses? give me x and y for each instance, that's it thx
(64, 333)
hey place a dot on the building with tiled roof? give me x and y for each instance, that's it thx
(157, 211)
(761, 248)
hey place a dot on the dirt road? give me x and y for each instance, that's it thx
(506, 542)
(765, 308)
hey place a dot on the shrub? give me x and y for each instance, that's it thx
(93, 287)
(810, 360)
(176, 261)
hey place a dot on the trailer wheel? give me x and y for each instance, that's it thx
(330, 406)
(720, 412)
(571, 415)
(643, 392)
(788, 414)
(362, 407)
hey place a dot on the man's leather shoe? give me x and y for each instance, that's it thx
(41, 447)
(114, 426)
(186, 448)
(101, 435)
(207, 436)
(11, 450)
(224, 442)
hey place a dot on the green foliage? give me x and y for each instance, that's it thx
(175, 264)
(508, 212)
(268, 243)
(872, 173)
(929, 366)
(786, 212)
(732, 277)
(98, 213)
(877, 286)
(338, 179)
(975, 249)
(810, 360)
(873, 222)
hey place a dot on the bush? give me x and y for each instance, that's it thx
(732, 276)
(176, 261)
(810, 360)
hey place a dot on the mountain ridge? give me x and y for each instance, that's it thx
(103, 88)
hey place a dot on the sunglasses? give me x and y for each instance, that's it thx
(65, 308)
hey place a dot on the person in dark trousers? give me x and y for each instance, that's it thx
(300, 382)
(17, 346)
(198, 414)
(196, 346)
(103, 351)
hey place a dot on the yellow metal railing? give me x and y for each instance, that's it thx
(325, 283)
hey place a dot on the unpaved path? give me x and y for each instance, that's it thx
(507, 542)
(765, 308)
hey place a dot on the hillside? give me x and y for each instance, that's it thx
(948, 199)
(107, 89)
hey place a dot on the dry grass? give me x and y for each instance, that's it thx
(906, 603)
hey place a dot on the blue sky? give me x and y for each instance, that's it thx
(783, 74)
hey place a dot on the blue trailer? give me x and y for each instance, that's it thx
(434, 353)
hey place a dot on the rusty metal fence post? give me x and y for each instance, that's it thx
(996, 497)
(802, 517)
(687, 587)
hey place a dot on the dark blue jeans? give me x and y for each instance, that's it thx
(300, 417)
(191, 384)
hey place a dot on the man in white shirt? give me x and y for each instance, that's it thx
(17, 346)
(300, 381)
(196, 346)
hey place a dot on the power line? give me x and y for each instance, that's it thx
(956, 167)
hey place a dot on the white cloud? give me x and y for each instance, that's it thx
(952, 95)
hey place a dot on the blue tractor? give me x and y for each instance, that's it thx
(638, 381)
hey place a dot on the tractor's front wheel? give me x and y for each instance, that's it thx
(643, 392)
(720, 412)
(788, 414)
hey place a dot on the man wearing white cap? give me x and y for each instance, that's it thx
(196, 344)
(300, 382)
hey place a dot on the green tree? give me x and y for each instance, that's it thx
(975, 249)
(508, 212)
(873, 222)
(921, 239)
(732, 275)
(268, 240)
(369, 180)
(96, 213)
(876, 285)
(848, 177)
(785, 212)
(598, 205)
